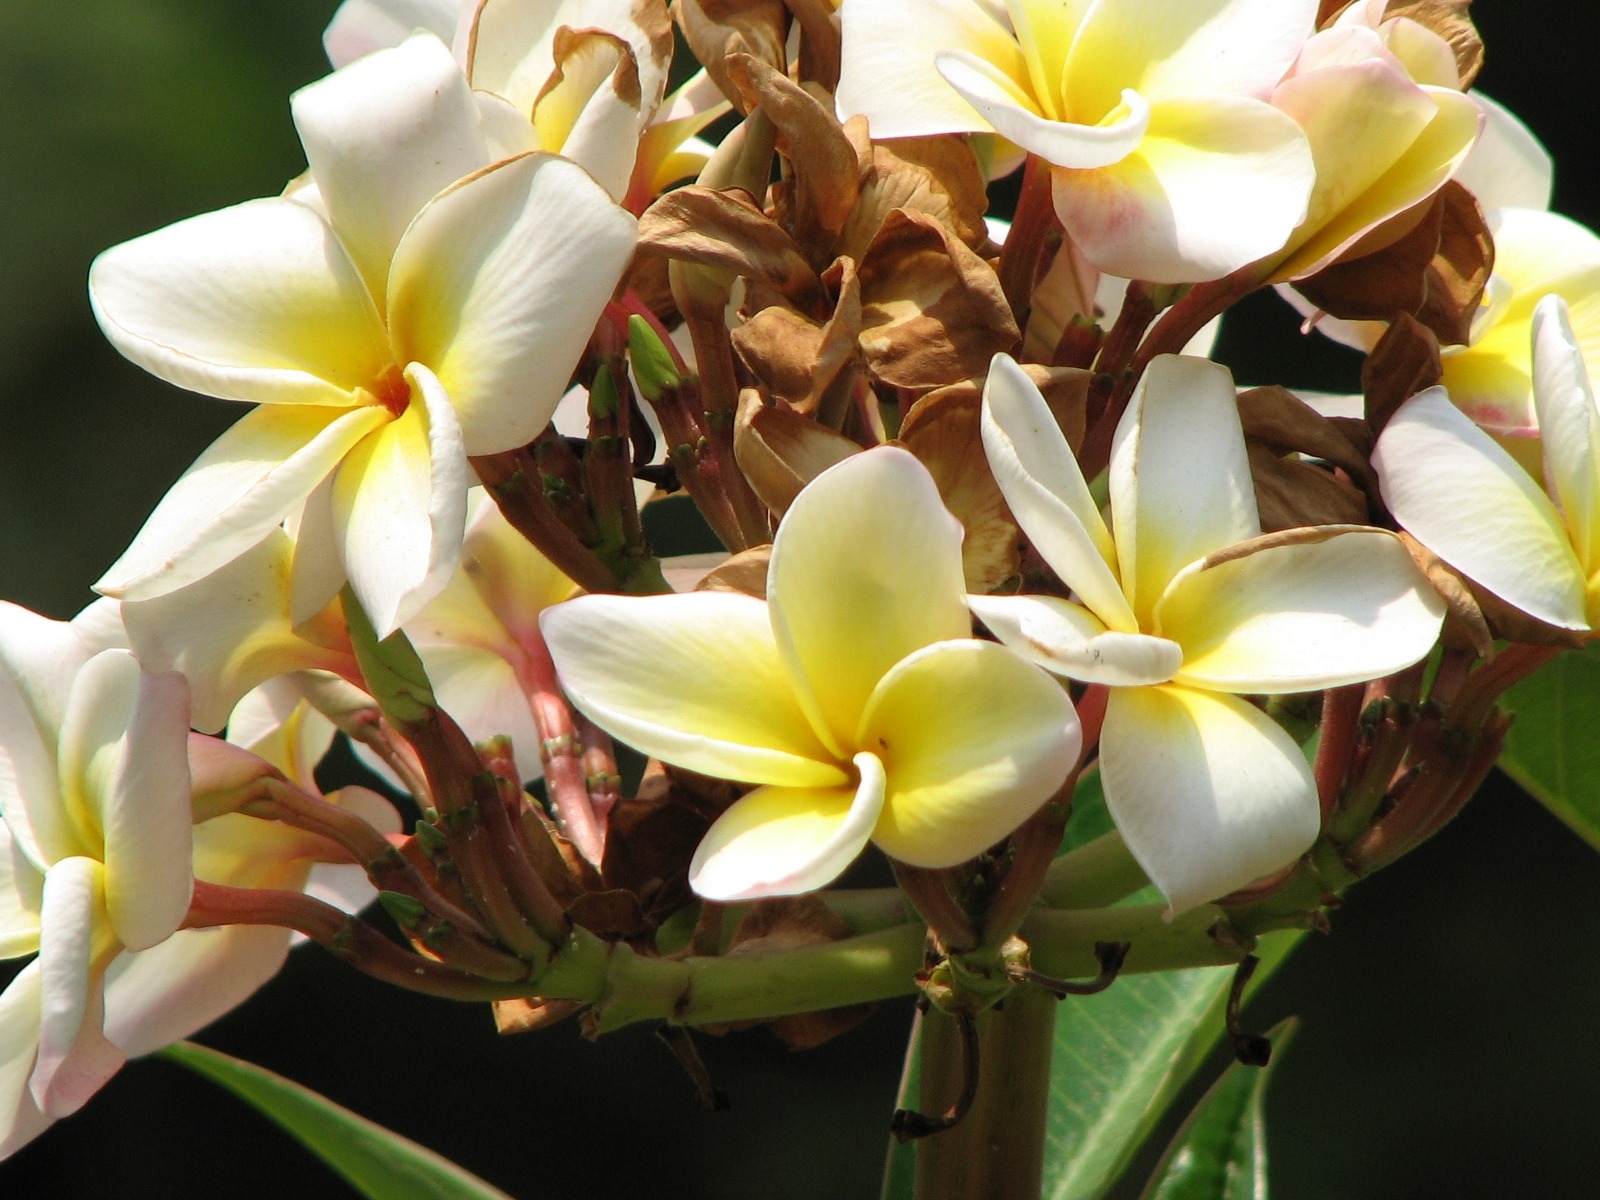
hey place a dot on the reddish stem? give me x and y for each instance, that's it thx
(561, 749)
(1341, 712)
(1033, 227)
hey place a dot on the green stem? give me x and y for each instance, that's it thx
(1095, 875)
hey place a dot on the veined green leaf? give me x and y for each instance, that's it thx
(1221, 1151)
(379, 1164)
(1551, 749)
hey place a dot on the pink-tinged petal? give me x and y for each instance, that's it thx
(275, 722)
(383, 136)
(1217, 182)
(515, 580)
(20, 1118)
(1046, 492)
(497, 286)
(1463, 497)
(1569, 427)
(242, 487)
(1508, 168)
(480, 690)
(361, 26)
(781, 841)
(1069, 640)
(99, 625)
(1167, 48)
(400, 506)
(21, 894)
(1317, 608)
(229, 632)
(74, 1057)
(1016, 117)
(1208, 792)
(146, 816)
(1180, 480)
(692, 679)
(173, 990)
(972, 740)
(256, 302)
(866, 568)
(887, 69)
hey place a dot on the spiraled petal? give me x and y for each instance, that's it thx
(382, 136)
(497, 286)
(780, 841)
(240, 488)
(694, 680)
(887, 69)
(1180, 481)
(1046, 492)
(866, 568)
(972, 740)
(400, 506)
(1217, 182)
(1463, 497)
(1069, 640)
(21, 893)
(1295, 612)
(1208, 792)
(255, 302)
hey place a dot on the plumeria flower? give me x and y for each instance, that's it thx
(1183, 608)
(1536, 253)
(410, 304)
(1168, 163)
(854, 696)
(1461, 495)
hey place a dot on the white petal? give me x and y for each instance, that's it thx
(479, 689)
(1464, 498)
(21, 893)
(20, 1118)
(692, 679)
(1207, 791)
(866, 568)
(778, 841)
(1569, 427)
(40, 656)
(256, 302)
(38, 660)
(497, 287)
(1064, 638)
(1045, 489)
(400, 506)
(361, 26)
(1180, 481)
(241, 488)
(383, 136)
(1508, 168)
(1331, 608)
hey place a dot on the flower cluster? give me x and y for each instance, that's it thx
(994, 523)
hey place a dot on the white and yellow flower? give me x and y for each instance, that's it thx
(854, 696)
(410, 304)
(1183, 608)
(1168, 163)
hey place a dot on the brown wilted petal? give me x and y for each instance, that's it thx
(744, 572)
(1277, 418)
(614, 914)
(1448, 19)
(1465, 624)
(525, 1014)
(932, 311)
(1291, 494)
(819, 42)
(793, 923)
(727, 230)
(1065, 391)
(582, 58)
(826, 178)
(1403, 363)
(1460, 268)
(938, 176)
(718, 29)
(942, 430)
(1514, 625)
(1062, 304)
(795, 358)
(781, 451)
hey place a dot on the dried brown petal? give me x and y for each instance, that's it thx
(1448, 19)
(932, 311)
(939, 176)
(1460, 268)
(819, 42)
(744, 572)
(781, 451)
(1465, 624)
(726, 230)
(1277, 418)
(1065, 391)
(1291, 494)
(795, 358)
(792, 923)
(718, 29)
(942, 430)
(525, 1014)
(1403, 363)
(1062, 300)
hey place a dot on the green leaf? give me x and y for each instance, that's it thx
(1221, 1151)
(900, 1167)
(1551, 749)
(1122, 1056)
(379, 1164)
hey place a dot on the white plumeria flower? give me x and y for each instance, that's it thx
(1170, 165)
(95, 852)
(414, 304)
(854, 696)
(1181, 607)
(1455, 490)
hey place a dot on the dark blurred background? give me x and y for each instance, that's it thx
(1449, 1045)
